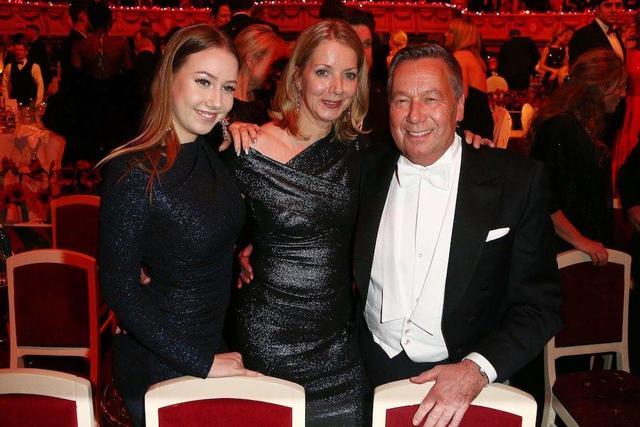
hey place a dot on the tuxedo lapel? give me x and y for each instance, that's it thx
(479, 192)
(373, 195)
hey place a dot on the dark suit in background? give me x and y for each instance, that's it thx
(517, 61)
(502, 298)
(587, 38)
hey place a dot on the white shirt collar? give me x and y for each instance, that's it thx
(443, 163)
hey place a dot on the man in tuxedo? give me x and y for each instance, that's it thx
(454, 258)
(242, 17)
(600, 33)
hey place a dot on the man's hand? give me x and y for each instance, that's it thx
(230, 365)
(456, 385)
(246, 272)
(477, 141)
(633, 214)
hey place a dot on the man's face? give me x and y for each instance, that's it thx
(608, 11)
(423, 110)
(30, 34)
(365, 36)
(20, 51)
(223, 16)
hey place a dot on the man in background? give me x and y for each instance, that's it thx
(517, 60)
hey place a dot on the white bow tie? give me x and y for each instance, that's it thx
(437, 175)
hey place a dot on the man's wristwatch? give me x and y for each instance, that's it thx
(483, 373)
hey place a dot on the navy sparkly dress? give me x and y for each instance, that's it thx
(185, 235)
(294, 320)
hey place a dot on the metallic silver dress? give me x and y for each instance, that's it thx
(295, 320)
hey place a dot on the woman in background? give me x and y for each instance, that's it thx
(565, 135)
(554, 61)
(463, 38)
(169, 203)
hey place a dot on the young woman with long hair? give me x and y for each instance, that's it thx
(565, 135)
(169, 204)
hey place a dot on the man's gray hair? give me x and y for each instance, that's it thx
(429, 51)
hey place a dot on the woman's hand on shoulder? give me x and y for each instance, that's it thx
(230, 365)
(243, 135)
(477, 141)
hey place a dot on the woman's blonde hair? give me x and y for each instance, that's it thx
(284, 111)
(257, 41)
(157, 138)
(465, 36)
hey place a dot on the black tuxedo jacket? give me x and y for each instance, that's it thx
(587, 38)
(502, 298)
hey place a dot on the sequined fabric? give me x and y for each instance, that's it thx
(294, 320)
(185, 235)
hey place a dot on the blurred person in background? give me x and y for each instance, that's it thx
(554, 61)
(463, 38)
(565, 135)
(220, 13)
(628, 137)
(22, 79)
(38, 53)
(79, 31)
(517, 60)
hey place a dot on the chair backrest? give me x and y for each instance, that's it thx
(230, 401)
(41, 397)
(74, 222)
(526, 117)
(53, 306)
(595, 306)
(502, 123)
(498, 405)
(496, 82)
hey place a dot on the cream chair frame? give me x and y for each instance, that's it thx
(552, 405)
(496, 396)
(43, 382)
(57, 256)
(262, 389)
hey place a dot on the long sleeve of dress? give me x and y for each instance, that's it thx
(125, 218)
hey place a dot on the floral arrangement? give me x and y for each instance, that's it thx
(25, 192)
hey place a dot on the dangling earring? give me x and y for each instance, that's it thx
(299, 101)
(225, 132)
(347, 115)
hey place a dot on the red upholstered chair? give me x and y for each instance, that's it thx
(497, 405)
(37, 397)
(596, 311)
(53, 308)
(74, 223)
(231, 401)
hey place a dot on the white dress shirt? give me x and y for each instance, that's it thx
(613, 38)
(406, 290)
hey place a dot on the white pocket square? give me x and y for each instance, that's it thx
(497, 233)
